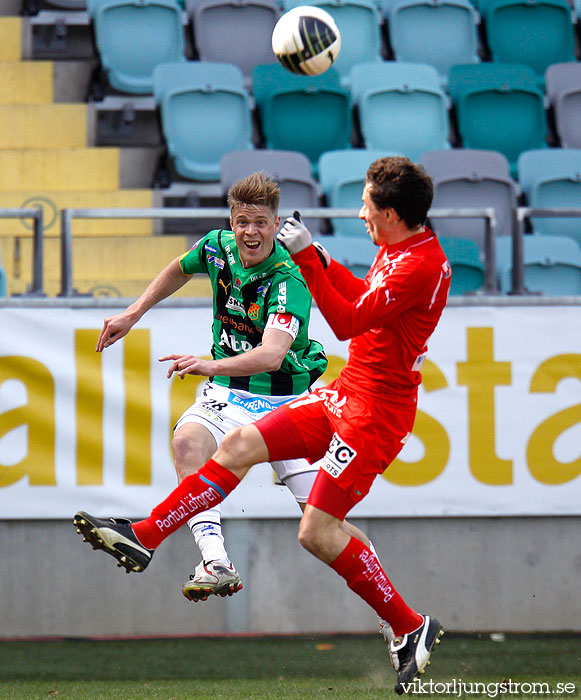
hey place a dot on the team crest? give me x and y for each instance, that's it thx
(253, 311)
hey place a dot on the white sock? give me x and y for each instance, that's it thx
(384, 627)
(206, 528)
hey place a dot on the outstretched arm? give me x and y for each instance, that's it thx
(169, 280)
(267, 357)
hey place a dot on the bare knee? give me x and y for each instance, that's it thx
(188, 455)
(241, 448)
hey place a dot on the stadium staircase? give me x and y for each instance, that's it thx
(48, 159)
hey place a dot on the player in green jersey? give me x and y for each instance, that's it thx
(262, 355)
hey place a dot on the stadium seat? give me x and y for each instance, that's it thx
(342, 176)
(359, 23)
(499, 107)
(453, 22)
(309, 114)
(534, 33)
(552, 178)
(3, 285)
(465, 256)
(205, 112)
(219, 25)
(552, 265)
(401, 106)
(134, 36)
(357, 254)
(69, 4)
(291, 170)
(563, 87)
(471, 179)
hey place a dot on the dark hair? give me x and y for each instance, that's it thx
(395, 182)
(256, 188)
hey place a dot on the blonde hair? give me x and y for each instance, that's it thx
(257, 188)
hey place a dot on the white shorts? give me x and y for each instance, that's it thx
(220, 409)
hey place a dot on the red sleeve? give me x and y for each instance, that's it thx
(343, 279)
(372, 309)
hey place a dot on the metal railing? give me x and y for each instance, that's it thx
(37, 286)
(518, 230)
(68, 215)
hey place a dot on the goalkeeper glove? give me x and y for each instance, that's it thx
(295, 236)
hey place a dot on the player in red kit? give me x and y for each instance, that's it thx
(356, 425)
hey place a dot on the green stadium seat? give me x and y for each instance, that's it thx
(535, 33)
(499, 107)
(551, 178)
(134, 36)
(467, 267)
(205, 112)
(309, 114)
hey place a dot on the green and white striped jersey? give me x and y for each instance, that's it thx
(244, 299)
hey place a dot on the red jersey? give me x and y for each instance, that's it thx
(389, 315)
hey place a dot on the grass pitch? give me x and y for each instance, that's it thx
(272, 668)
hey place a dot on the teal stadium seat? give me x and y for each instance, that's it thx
(453, 22)
(309, 114)
(499, 107)
(234, 31)
(552, 265)
(3, 285)
(342, 176)
(359, 23)
(465, 177)
(551, 178)
(291, 170)
(401, 106)
(357, 254)
(534, 33)
(134, 36)
(563, 87)
(465, 257)
(205, 112)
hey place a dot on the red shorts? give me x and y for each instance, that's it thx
(355, 437)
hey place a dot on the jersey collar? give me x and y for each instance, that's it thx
(408, 242)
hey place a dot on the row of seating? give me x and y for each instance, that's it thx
(206, 110)
(534, 33)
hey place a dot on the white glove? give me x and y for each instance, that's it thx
(323, 254)
(294, 235)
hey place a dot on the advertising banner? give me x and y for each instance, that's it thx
(498, 430)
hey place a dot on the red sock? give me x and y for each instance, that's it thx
(364, 575)
(207, 487)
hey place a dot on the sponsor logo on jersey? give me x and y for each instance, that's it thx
(417, 366)
(258, 277)
(283, 263)
(196, 244)
(254, 405)
(235, 305)
(447, 268)
(237, 283)
(234, 343)
(221, 282)
(230, 255)
(217, 262)
(261, 291)
(253, 311)
(281, 308)
(284, 322)
(210, 248)
(338, 456)
(237, 324)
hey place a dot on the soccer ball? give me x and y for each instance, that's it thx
(306, 40)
